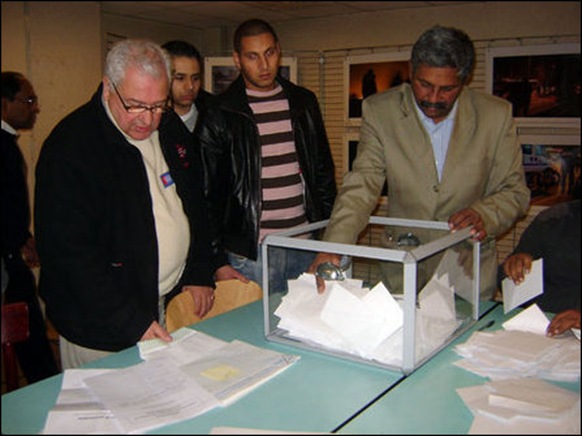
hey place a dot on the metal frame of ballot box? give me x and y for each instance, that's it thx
(409, 258)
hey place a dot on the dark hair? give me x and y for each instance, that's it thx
(252, 27)
(445, 47)
(183, 49)
(11, 84)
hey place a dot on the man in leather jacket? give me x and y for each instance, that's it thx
(267, 161)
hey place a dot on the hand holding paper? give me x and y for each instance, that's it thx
(532, 286)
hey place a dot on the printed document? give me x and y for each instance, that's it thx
(151, 394)
(237, 368)
(77, 410)
(178, 380)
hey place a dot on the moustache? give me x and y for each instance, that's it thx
(438, 105)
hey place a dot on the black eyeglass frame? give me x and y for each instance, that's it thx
(140, 109)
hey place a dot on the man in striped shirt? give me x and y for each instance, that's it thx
(267, 162)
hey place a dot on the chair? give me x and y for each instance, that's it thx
(14, 329)
(229, 294)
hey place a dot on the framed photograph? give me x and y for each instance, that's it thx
(542, 82)
(351, 141)
(220, 72)
(552, 167)
(368, 74)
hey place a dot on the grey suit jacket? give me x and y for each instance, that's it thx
(483, 169)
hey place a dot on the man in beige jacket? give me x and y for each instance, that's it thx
(447, 152)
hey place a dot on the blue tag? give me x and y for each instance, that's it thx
(167, 179)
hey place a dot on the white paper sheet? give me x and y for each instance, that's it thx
(179, 380)
(236, 369)
(531, 320)
(437, 299)
(77, 410)
(188, 345)
(522, 406)
(151, 394)
(454, 264)
(365, 323)
(521, 348)
(532, 286)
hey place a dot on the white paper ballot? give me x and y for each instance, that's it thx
(531, 320)
(363, 322)
(522, 405)
(532, 286)
(366, 323)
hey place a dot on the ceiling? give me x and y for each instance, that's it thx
(203, 15)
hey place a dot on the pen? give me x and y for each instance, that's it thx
(486, 326)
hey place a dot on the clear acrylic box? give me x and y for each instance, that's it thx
(431, 274)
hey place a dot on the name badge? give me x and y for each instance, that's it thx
(167, 179)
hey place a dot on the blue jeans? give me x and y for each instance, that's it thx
(284, 264)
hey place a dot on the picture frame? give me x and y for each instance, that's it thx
(365, 75)
(552, 167)
(541, 81)
(351, 141)
(220, 72)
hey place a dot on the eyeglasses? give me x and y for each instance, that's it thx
(28, 100)
(140, 109)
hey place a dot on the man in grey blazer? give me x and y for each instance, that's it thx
(448, 153)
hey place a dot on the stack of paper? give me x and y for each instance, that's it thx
(363, 322)
(179, 380)
(77, 410)
(522, 349)
(129, 400)
(522, 406)
(236, 369)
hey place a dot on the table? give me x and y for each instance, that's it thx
(426, 402)
(320, 393)
(316, 394)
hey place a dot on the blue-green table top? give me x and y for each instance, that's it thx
(316, 394)
(426, 402)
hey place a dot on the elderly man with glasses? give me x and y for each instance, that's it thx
(120, 220)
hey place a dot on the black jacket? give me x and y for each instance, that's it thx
(202, 99)
(15, 207)
(554, 235)
(95, 227)
(231, 153)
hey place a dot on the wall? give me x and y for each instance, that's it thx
(159, 33)
(57, 46)
(61, 47)
(481, 20)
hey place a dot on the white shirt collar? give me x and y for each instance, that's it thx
(9, 128)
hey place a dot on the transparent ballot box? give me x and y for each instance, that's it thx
(404, 291)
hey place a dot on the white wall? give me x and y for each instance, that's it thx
(159, 33)
(57, 46)
(481, 20)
